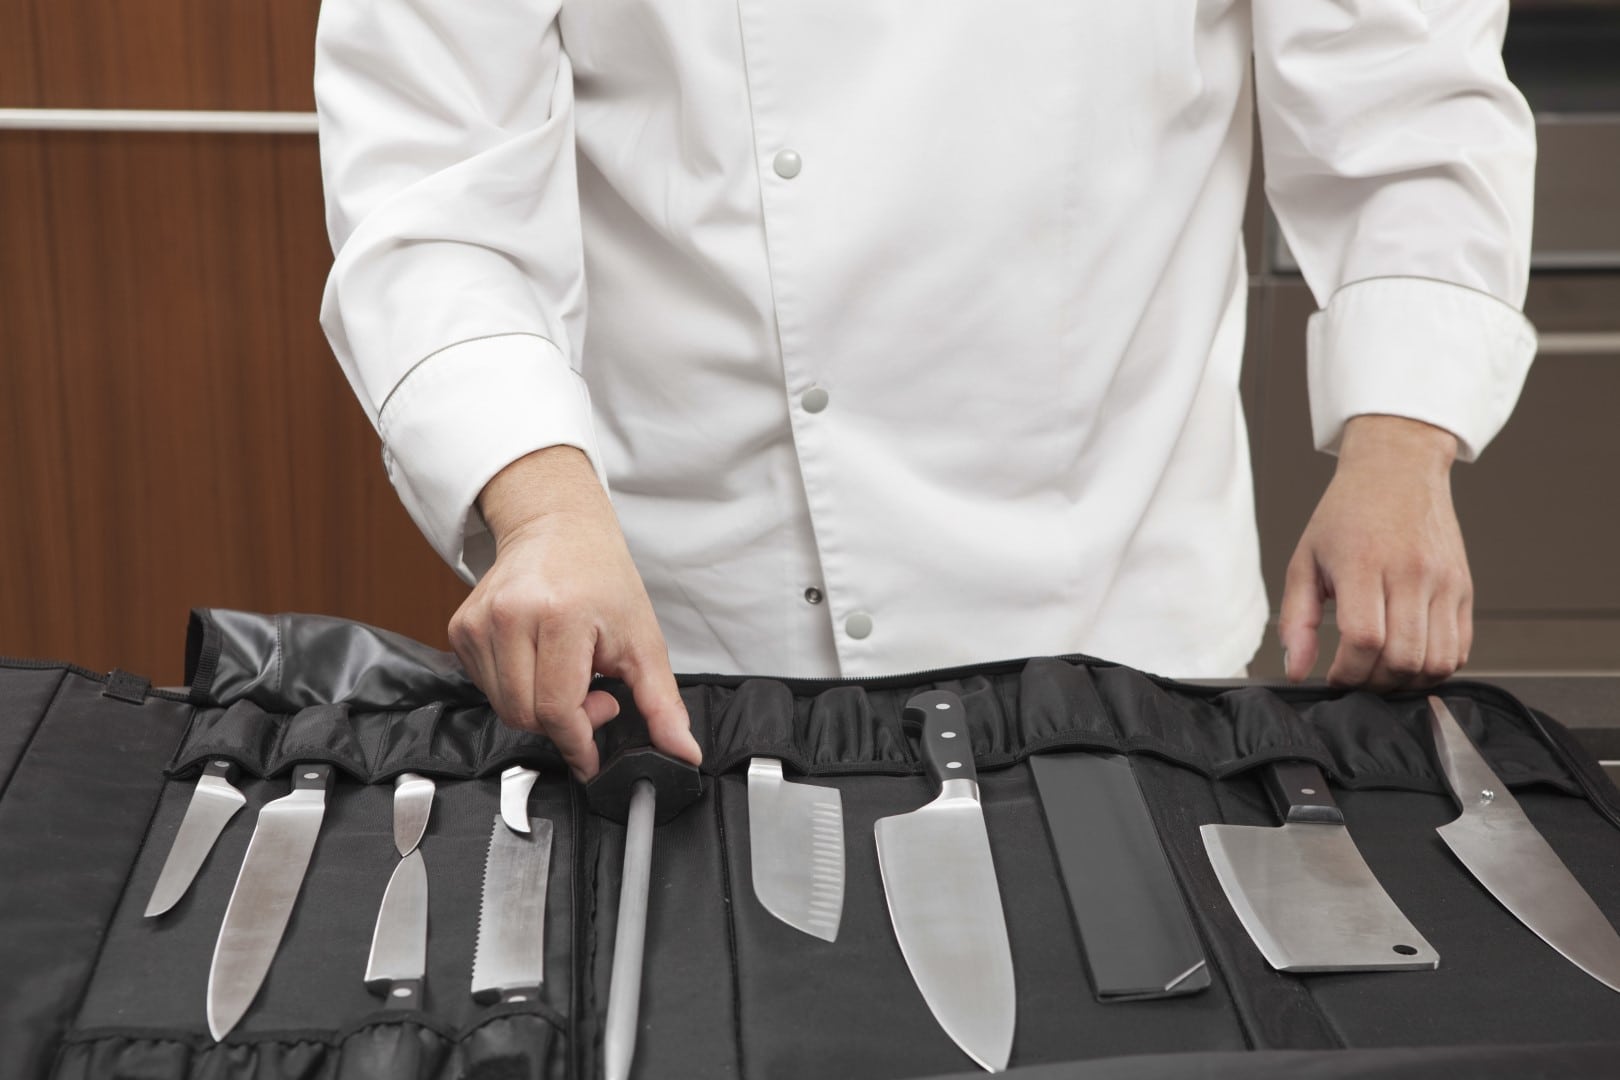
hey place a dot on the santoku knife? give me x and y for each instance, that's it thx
(943, 898)
(1500, 847)
(213, 803)
(266, 889)
(796, 849)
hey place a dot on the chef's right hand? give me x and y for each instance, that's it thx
(562, 601)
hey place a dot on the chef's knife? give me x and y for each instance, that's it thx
(516, 783)
(1133, 921)
(266, 888)
(943, 899)
(398, 959)
(1304, 893)
(214, 802)
(1500, 847)
(413, 802)
(509, 961)
(796, 849)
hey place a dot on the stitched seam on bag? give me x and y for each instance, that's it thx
(22, 754)
(731, 927)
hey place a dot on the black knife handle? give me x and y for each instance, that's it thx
(1300, 792)
(315, 775)
(947, 749)
(627, 756)
(405, 994)
(222, 769)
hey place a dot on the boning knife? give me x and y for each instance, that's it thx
(213, 803)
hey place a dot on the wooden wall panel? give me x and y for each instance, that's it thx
(157, 54)
(174, 428)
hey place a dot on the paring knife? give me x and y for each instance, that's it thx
(509, 960)
(1303, 892)
(1133, 921)
(1500, 847)
(214, 802)
(413, 803)
(796, 849)
(943, 898)
(398, 960)
(516, 783)
(266, 888)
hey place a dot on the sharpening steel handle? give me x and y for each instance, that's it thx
(627, 756)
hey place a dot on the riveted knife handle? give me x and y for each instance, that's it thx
(221, 769)
(947, 749)
(628, 755)
(405, 994)
(311, 776)
(1300, 793)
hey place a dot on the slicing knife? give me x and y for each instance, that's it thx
(1497, 843)
(940, 882)
(266, 889)
(398, 960)
(213, 803)
(413, 803)
(796, 849)
(1302, 890)
(509, 960)
(516, 783)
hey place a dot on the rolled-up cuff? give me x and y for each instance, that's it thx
(461, 416)
(1427, 350)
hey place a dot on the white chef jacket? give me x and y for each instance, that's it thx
(908, 335)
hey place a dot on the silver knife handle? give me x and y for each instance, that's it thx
(1473, 783)
(947, 750)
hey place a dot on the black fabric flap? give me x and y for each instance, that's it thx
(291, 661)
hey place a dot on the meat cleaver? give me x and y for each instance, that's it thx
(1303, 891)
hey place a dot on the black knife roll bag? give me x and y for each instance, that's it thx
(96, 773)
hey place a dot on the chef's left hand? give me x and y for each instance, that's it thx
(1385, 546)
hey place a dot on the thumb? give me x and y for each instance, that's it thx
(658, 699)
(1303, 593)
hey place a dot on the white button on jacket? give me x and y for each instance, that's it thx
(1002, 239)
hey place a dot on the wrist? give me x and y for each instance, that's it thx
(536, 485)
(1397, 438)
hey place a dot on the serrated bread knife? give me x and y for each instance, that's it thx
(944, 902)
(1503, 850)
(509, 960)
(1302, 890)
(213, 803)
(266, 889)
(796, 849)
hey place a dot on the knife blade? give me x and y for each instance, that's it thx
(398, 960)
(1302, 890)
(940, 883)
(266, 889)
(516, 783)
(213, 803)
(509, 959)
(796, 849)
(413, 803)
(1497, 843)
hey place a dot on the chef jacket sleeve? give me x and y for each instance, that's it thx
(456, 302)
(1400, 163)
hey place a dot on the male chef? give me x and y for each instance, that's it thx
(854, 337)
